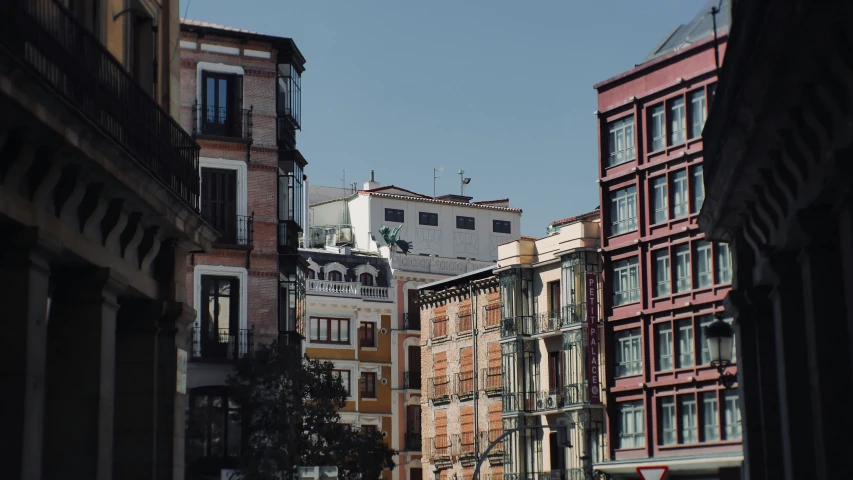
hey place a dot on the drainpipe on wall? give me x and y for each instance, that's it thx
(473, 307)
(306, 230)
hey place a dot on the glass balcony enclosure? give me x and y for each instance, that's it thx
(517, 302)
(289, 94)
(575, 266)
(290, 199)
(292, 301)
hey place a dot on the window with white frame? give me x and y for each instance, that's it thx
(676, 121)
(664, 346)
(689, 429)
(679, 194)
(657, 128)
(344, 377)
(660, 203)
(668, 431)
(698, 112)
(682, 268)
(631, 425)
(629, 359)
(698, 188)
(724, 263)
(623, 210)
(684, 330)
(626, 281)
(620, 144)
(705, 354)
(731, 416)
(704, 261)
(662, 272)
(710, 417)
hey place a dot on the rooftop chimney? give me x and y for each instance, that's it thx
(372, 183)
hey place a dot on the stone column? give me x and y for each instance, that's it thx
(24, 294)
(81, 375)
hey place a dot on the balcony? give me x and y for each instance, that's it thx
(465, 385)
(545, 400)
(44, 36)
(492, 382)
(350, 290)
(222, 123)
(463, 448)
(439, 451)
(221, 344)
(440, 390)
(412, 441)
(411, 321)
(521, 325)
(412, 380)
(239, 232)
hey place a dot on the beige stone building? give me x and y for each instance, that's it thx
(461, 375)
(99, 209)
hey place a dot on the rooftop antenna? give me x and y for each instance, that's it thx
(462, 182)
(434, 176)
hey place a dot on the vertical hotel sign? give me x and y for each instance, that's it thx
(593, 372)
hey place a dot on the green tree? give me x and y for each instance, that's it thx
(289, 416)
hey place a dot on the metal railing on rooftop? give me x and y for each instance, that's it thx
(45, 36)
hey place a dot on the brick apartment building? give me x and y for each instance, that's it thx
(240, 99)
(460, 376)
(663, 281)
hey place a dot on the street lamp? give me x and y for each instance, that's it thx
(720, 337)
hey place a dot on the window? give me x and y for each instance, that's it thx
(705, 354)
(623, 210)
(369, 429)
(501, 226)
(312, 274)
(555, 372)
(219, 201)
(366, 279)
(465, 223)
(620, 144)
(631, 431)
(219, 325)
(213, 430)
(698, 112)
(343, 376)
(657, 128)
(368, 385)
(724, 263)
(367, 334)
(221, 98)
(554, 299)
(394, 215)
(329, 330)
(664, 346)
(710, 417)
(334, 276)
(685, 343)
(682, 268)
(679, 194)
(676, 121)
(731, 416)
(626, 288)
(426, 218)
(698, 188)
(704, 273)
(628, 353)
(662, 272)
(687, 407)
(659, 200)
(142, 49)
(667, 420)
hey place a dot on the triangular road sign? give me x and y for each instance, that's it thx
(652, 473)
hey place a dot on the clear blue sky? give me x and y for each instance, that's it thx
(501, 89)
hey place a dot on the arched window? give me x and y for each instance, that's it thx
(366, 279)
(311, 274)
(334, 276)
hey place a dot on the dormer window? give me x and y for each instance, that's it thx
(366, 279)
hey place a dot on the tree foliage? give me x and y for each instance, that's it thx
(289, 414)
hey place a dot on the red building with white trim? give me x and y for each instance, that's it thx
(662, 280)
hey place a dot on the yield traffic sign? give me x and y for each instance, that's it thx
(653, 473)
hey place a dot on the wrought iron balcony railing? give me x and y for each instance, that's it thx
(440, 389)
(236, 231)
(549, 322)
(412, 380)
(491, 380)
(412, 441)
(411, 320)
(521, 325)
(465, 385)
(46, 37)
(222, 121)
(553, 399)
(220, 344)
